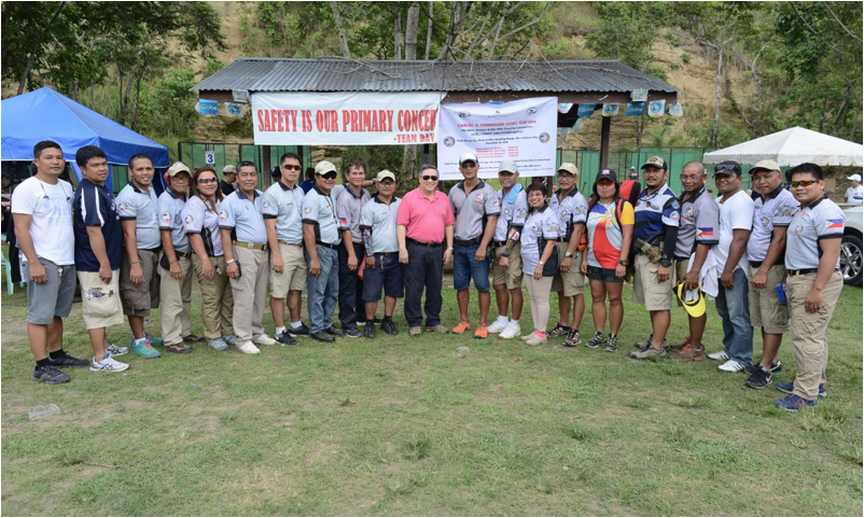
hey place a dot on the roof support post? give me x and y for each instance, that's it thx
(265, 164)
(605, 132)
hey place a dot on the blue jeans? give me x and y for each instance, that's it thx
(465, 268)
(321, 301)
(734, 308)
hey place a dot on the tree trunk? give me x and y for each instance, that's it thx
(411, 23)
(25, 77)
(716, 129)
(457, 18)
(343, 41)
(841, 113)
(397, 37)
(429, 32)
(75, 94)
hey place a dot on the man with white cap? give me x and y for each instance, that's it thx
(507, 263)
(855, 192)
(475, 204)
(766, 250)
(229, 176)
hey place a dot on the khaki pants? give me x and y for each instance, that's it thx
(250, 293)
(100, 311)
(766, 310)
(571, 282)
(512, 276)
(656, 296)
(176, 299)
(808, 331)
(217, 299)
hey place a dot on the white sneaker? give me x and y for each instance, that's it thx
(248, 348)
(511, 331)
(114, 350)
(108, 364)
(528, 336)
(264, 340)
(731, 366)
(720, 356)
(496, 327)
(535, 340)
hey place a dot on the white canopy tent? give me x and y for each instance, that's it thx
(791, 147)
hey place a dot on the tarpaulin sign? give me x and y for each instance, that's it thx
(524, 131)
(345, 119)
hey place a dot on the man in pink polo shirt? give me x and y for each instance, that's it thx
(425, 220)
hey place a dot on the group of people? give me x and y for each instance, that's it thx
(346, 247)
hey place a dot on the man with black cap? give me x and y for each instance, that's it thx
(476, 206)
(773, 211)
(657, 213)
(730, 256)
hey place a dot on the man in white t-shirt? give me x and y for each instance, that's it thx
(855, 192)
(730, 255)
(42, 205)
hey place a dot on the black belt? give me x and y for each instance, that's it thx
(429, 245)
(470, 242)
(386, 254)
(152, 250)
(183, 254)
(499, 243)
(755, 264)
(804, 271)
(326, 245)
(300, 244)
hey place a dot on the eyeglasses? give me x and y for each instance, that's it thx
(726, 168)
(429, 177)
(248, 174)
(207, 180)
(290, 167)
(802, 183)
(180, 179)
(329, 176)
(387, 182)
(690, 178)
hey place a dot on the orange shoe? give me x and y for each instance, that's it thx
(689, 353)
(683, 345)
(462, 327)
(482, 331)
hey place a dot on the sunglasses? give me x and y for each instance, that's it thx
(180, 178)
(330, 176)
(724, 168)
(802, 183)
(468, 164)
(291, 167)
(429, 177)
(207, 180)
(605, 183)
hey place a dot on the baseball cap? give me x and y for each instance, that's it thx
(569, 167)
(856, 177)
(606, 174)
(324, 167)
(768, 165)
(468, 157)
(727, 167)
(657, 162)
(694, 308)
(177, 168)
(509, 166)
(385, 174)
(228, 169)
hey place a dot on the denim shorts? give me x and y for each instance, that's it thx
(603, 274)
(387, 274)
(465, 268)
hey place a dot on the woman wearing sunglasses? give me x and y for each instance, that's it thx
(610, 231)
(201, 220)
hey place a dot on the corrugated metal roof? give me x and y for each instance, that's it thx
(341, 75)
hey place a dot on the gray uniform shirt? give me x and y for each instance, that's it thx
(776, 211)
(823, 219)
(512, 214)
(320, 210)
(472, 209)
(198, 218)
(348, 206)
(240, 213)
(170, 206)
(133, 204)
(700, 224)
(573, 209)
(379, 219)
(284, 205)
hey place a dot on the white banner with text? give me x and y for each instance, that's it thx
(345, 119)
(524, 131)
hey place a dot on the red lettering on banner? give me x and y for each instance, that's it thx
(278, 122)
(327, 120)
(260, 120)
(416, 120)
(307, 119)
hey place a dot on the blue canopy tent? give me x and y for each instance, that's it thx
(47, 115)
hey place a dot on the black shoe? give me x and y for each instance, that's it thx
(193, 339)
(776, 368)
(286, 339)
(49, 374)
(559, 330)
(389, 327)
(67, 361)
(322, 336)
(759, 379)
(335, 332)
(353, 333)
(369, 330)
(302, 330)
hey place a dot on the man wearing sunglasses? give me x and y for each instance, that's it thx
(322, 240)
(348, 206)
(730, 256)
(773, 210)
(424, 221)
(476, 207)
(281, 210)
(813, 284)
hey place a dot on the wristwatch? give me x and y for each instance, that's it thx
(541, 263)
(665, 263)
(505, 253)
(622, 262)
(568, 254)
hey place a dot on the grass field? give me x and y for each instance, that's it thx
(401, 426)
